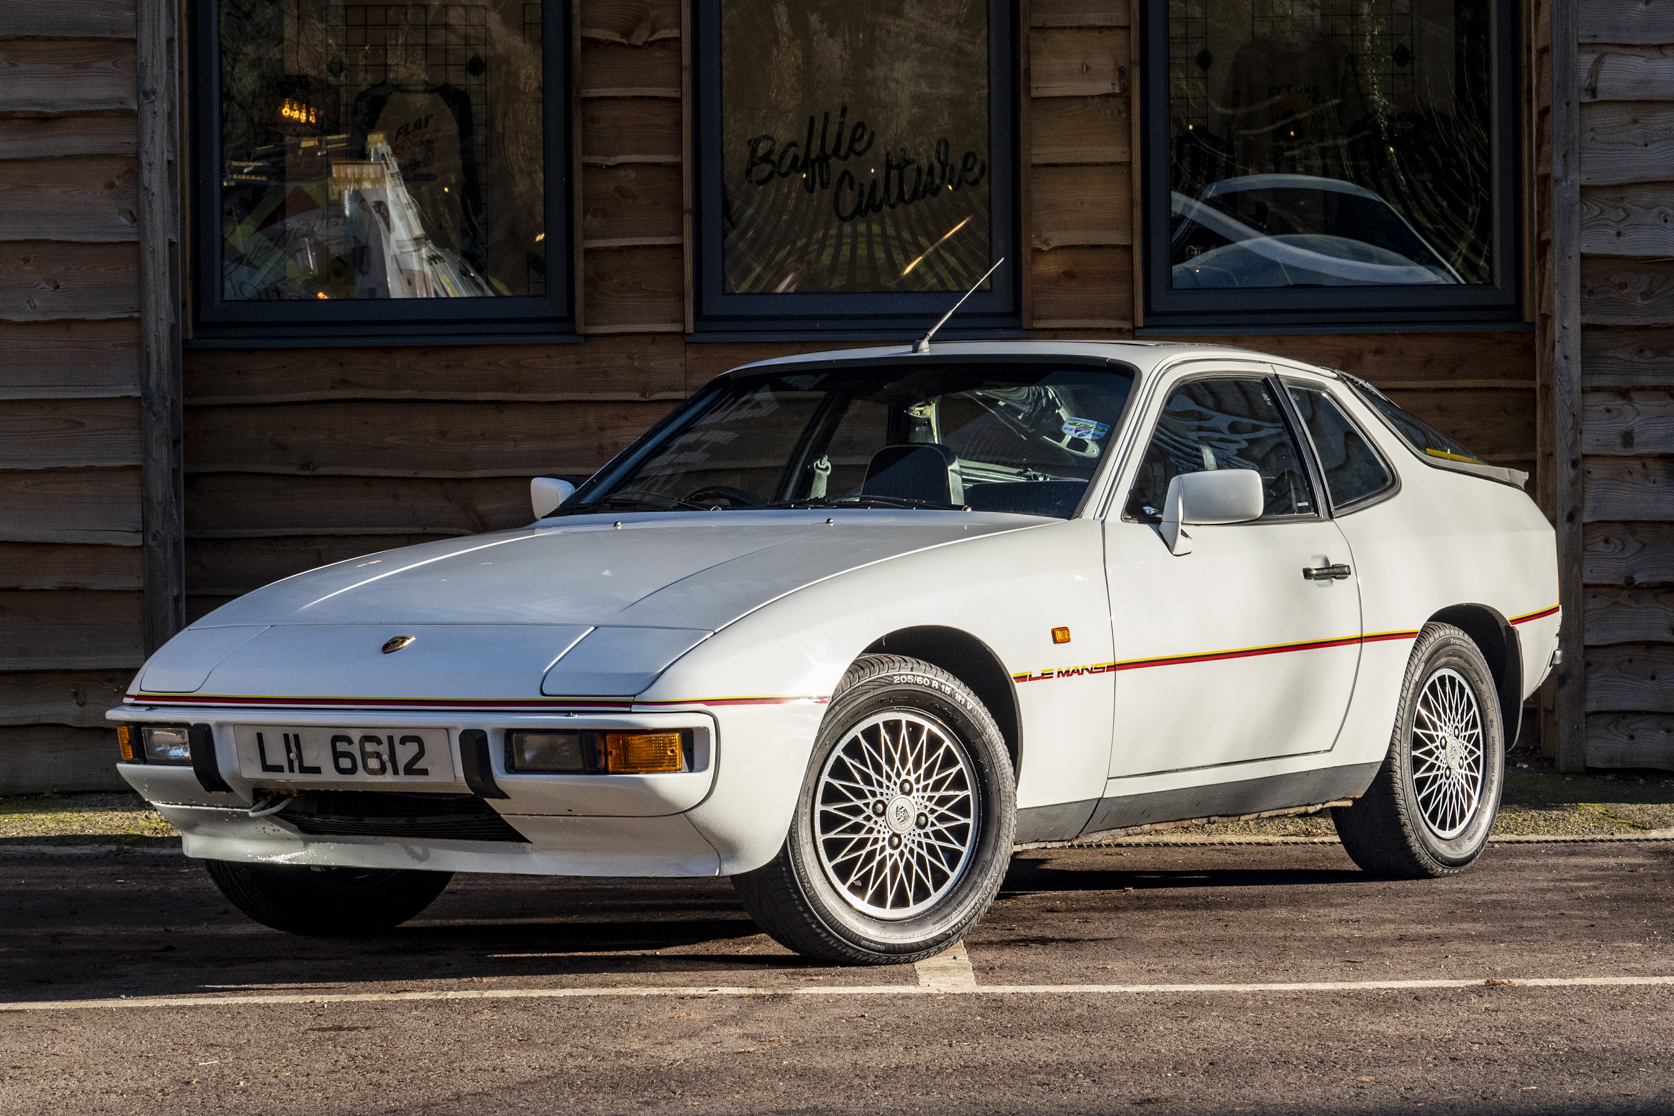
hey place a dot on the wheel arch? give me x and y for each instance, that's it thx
(1497, 640)
(974, 663)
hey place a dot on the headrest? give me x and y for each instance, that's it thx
(927, 472)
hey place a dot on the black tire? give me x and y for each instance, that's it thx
(797, 897)
(326, 902)
(1396, 831)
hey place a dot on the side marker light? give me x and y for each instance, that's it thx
(1060, 635)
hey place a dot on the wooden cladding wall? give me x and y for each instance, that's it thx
(70, 571)
(1625, 70)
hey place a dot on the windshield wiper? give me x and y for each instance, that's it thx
(866, 501)
(635, 500)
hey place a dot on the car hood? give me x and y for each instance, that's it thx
(664, 570)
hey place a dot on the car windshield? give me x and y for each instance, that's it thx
(1023, 438)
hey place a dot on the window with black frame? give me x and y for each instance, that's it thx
(1330, 160)
(368, 169)
(855, 163)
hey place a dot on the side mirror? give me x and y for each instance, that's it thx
(547, 493)
(1215, 496)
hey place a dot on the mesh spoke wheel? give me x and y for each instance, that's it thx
(1447, 754)
(895, 814)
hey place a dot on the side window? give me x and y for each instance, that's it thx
(1223, 424)
(1353, 469)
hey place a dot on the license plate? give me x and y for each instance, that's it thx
(287, 754)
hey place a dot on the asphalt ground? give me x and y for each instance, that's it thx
(1103, 980)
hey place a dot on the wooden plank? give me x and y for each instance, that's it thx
(618, 70)
(198, 607)
(1495, 424)
(69, 433)
(1627, 357)
(1630, 677)
(1627, 73)
(1080, 130)
(630, 130)
(707, 360)
(1626, 141)
(70, 630)
(412, 438)
(66, 75)
(39, 137)
(1626, 292)
(69, 360)
(1630, 554)
(1629, 489)
(1080, 206)
(1084, 62)
(60, 759)
(604, 368)
(1626, 21)
(634, 22)
(41, 280)
(1635, 615)
(65, 566)
(1568, 167)
(1083, 285)
(232, 567)
(1080, 13)
(1628, 220)
(61, 697)
(1439, 359)
(635, 290)
(68, 19)
(71, 506)
(631, 202)
(253, 505)
(1630, 740)
(1628, 422)
(84, 198)
(162, 500)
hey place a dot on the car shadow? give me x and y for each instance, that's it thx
(1043, 876)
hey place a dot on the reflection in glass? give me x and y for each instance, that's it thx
(854, 145)
(381, 150)
(1329, 143)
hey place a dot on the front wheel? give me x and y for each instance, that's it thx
(1432, 806)
(327, 902)
(903, 827)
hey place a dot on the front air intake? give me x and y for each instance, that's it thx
(430, 817)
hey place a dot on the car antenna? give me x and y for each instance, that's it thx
(923, 345)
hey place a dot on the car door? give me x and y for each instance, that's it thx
(1245, 648)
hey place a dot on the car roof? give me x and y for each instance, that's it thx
(1146, 356)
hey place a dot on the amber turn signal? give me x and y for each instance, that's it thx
(1060, 635)
(640, 753)
(125, 742)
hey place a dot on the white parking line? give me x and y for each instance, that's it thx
(703, 991)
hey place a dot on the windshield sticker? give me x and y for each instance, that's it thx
(1087, 429)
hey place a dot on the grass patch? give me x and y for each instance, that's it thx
(69, 819)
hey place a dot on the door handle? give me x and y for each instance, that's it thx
(1337, 571)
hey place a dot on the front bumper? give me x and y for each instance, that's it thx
(728, 815)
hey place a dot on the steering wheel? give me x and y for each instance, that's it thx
(737, 497)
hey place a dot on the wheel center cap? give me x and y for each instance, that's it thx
(899, 814)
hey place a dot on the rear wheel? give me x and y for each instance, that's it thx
(327, 902)
(1432, 806)
(904, 825)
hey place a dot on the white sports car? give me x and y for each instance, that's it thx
(849, 627)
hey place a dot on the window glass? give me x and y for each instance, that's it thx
(1025, 439)
(1223, 424)
(1353, 469)
(854, 145)
(1330, 143)
(1420, 435)
(373, 151)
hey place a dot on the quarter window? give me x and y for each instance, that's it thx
(1353, 470)
(1223, 424)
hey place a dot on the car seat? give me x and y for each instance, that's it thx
(924, 472)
